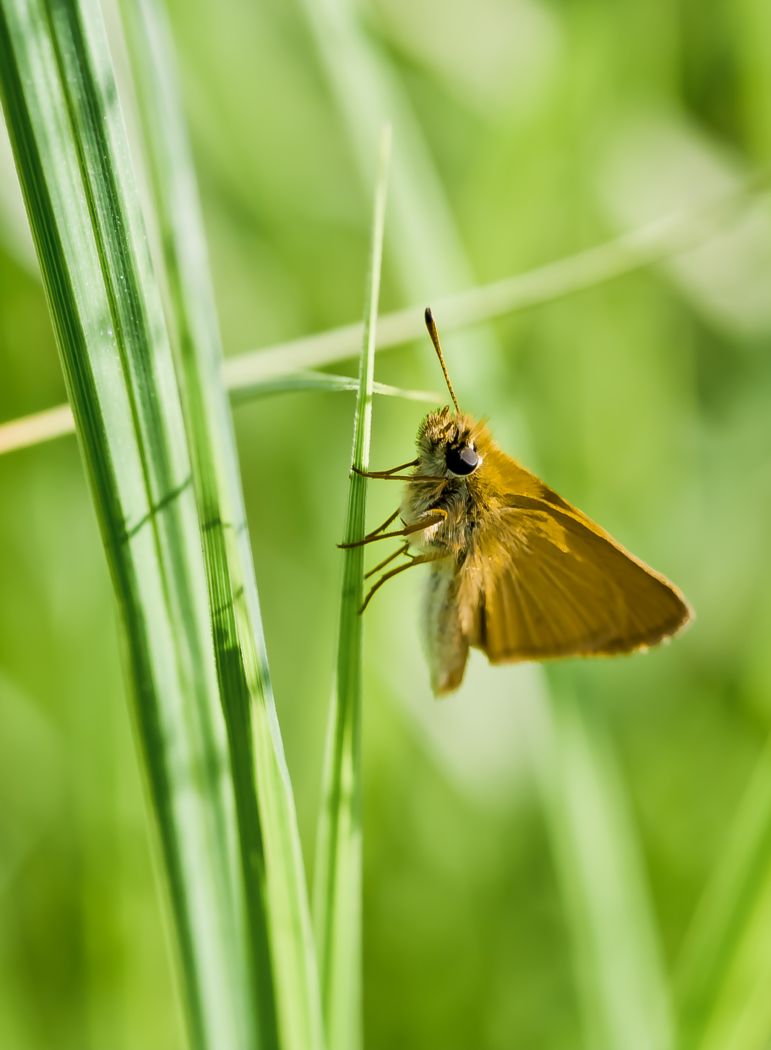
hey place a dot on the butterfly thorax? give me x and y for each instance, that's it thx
(465, 501)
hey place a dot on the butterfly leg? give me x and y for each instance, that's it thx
(384, 526)
(382, 564)
(385, 473)
(415, 559)
(431, 517)
(394, 475)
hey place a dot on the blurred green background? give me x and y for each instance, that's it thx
(558, 860)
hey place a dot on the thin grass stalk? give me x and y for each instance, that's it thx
(338, 877)
(364, 82)
(52, 423)
(256, 373)
(650, 244)
(279, 918)
(71, 154)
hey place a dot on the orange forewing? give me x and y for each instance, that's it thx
(544, 581)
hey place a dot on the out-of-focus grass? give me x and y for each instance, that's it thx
(617, 960)
(640, 401)
(726, 939)
(257, 373)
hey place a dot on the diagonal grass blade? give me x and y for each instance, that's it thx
(71, 154)
(279, 928)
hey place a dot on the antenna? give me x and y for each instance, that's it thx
(431, 326)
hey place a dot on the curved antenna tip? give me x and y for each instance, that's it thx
(431, 326)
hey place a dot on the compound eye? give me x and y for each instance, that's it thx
(463, 460)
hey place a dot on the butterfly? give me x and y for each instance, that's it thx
(514, 569)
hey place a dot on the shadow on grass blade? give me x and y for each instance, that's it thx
(277, 925)
(72, 157)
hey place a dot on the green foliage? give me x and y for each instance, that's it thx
(574, 859)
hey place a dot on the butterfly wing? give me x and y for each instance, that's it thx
(447, 637)
(552, 583)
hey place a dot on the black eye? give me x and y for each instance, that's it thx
(463, 460)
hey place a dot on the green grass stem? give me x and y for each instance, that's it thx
(337, 886)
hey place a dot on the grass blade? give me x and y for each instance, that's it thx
(621, 985)
(324, 381)
(257, 373)
(52, 423)
(587, 269)
(337, 887)
(725, 963)
(71, 154)
(279, 919)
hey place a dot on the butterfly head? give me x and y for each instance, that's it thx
(451, 444)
